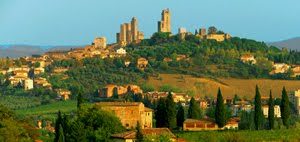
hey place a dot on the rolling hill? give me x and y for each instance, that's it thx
(15, 51)
(229, 86)
(293, 43)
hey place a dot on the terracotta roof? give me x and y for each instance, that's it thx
(149, 131)
(148, 109)
(118, 103)
(199, 121)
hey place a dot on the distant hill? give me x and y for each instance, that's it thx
(15, 51)
(293, 43)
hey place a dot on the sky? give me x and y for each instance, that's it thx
(78, 22)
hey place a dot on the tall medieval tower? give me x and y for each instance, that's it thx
(165, 24)
(134, 29)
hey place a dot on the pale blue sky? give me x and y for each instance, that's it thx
(77, 22)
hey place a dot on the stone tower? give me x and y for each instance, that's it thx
(134, 29)
(100, 42)
(202, 31)
(165, 24)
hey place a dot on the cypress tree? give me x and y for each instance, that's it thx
(139, 135)
(171, 112)
(79, 101)
(285, 108)
(180, 116)
(115, 93)
(220, 112)
(58, 123)
(194, 110)
(258, 114)
(61, 136)
(160, 113)
(271, 112)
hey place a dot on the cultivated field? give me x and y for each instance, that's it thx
(50, 110)
(229, 87)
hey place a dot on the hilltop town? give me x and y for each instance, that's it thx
(109, 83)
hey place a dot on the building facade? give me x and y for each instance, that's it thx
(294, 98)
(129, 113)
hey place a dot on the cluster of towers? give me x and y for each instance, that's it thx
(129, 33)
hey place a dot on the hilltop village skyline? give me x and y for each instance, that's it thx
(130, 33)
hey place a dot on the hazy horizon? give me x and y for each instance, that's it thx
(55, 22)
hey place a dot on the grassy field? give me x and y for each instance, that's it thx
(50, 110)
(230, 87)
(291, 135)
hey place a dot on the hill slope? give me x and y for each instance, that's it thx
(293, 43)
(15, 51)
(229, 87)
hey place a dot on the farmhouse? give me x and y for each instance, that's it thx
(129, 113)
(248, 58)
(142, 63)
(63, 94)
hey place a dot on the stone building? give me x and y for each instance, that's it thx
(280, 68)
(108, 90)
(63, 94)
(248, 58)
(121, 51)
(129, 113)
(100, 42)
(142, 63)
(129, 33)
(182, 33)
(202, 34)
(28, 84)
(296, 71)
(208, 124)
(165, 24)
(38, 70)
(294, 98)
(218, 37)
(277, 113)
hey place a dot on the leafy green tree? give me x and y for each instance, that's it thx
(100, 125)
(247, 121)
(37, 65)
(212, 30)
(180, 115)
(220, 112)
(171, 111)
(285, 108)
(139, 135)
(194, 110)
(160, 113)
(271, 116)
(258, 114)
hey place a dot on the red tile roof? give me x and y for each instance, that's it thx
(149, 131)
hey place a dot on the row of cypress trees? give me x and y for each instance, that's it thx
(284, 109)
(167, 116)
